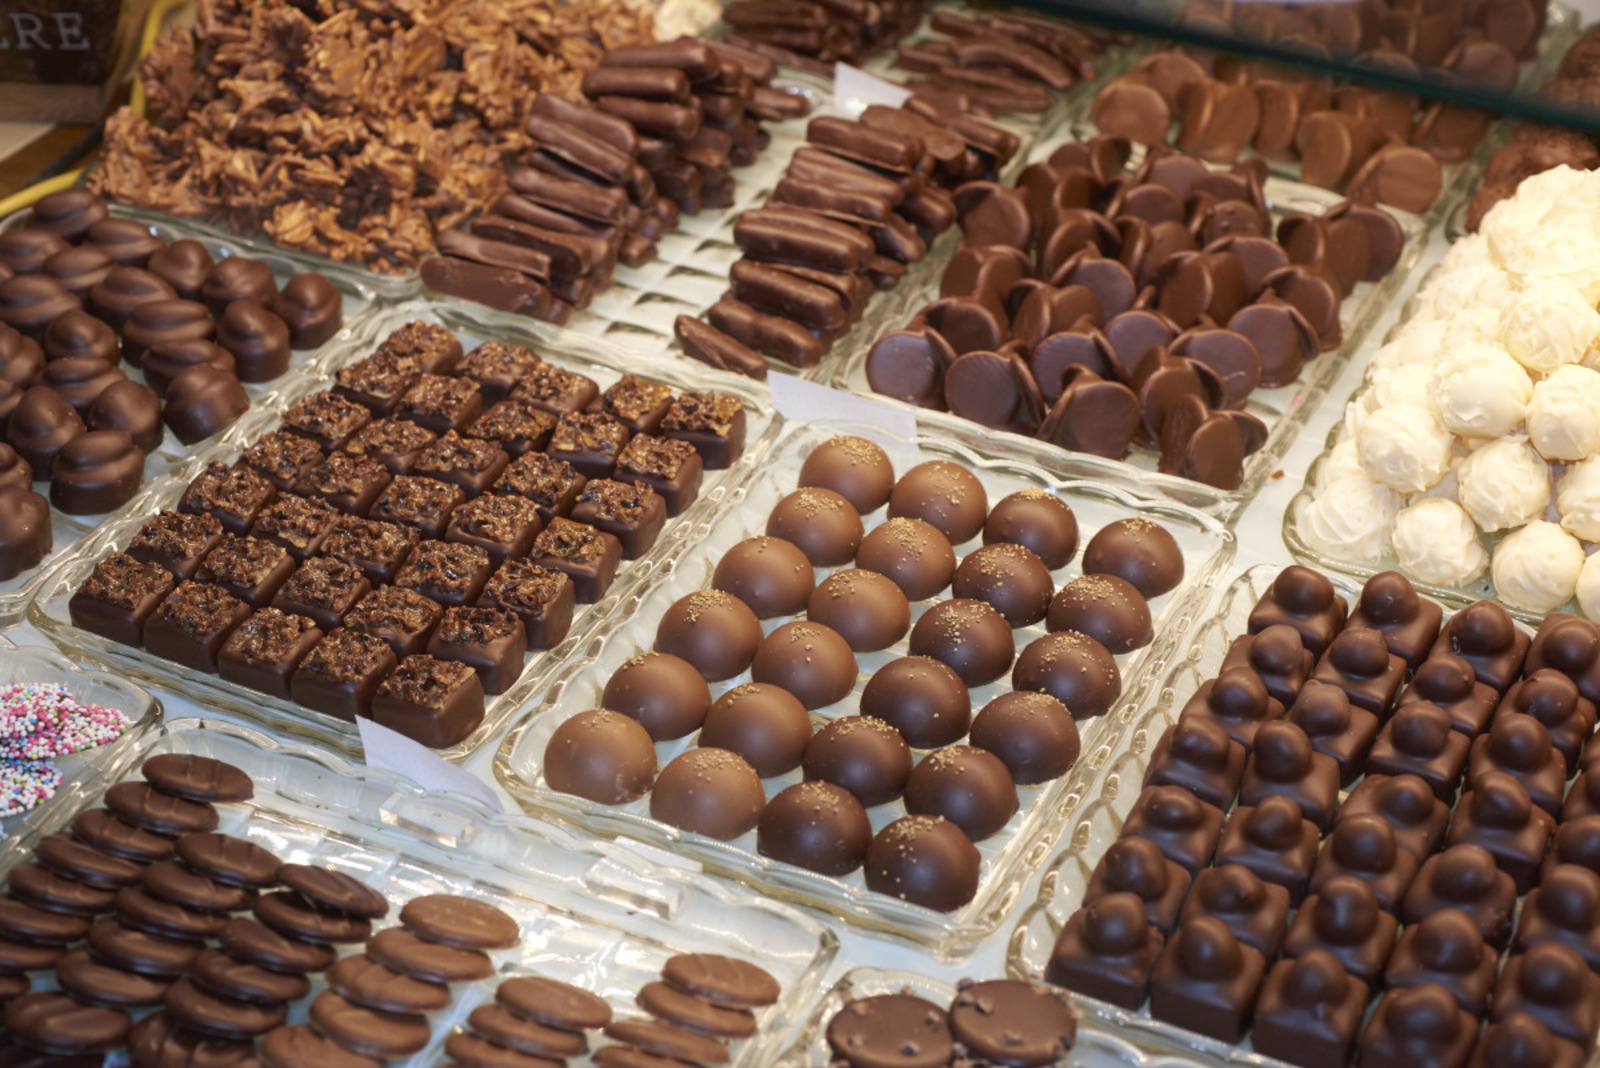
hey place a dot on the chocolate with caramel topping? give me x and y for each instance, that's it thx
(502, 526)
(282, 458)
(489, 640)
(497, 367)
(326, 418)
(379, 549)
(251, 569)
(297, 523)
(541, 597)
(233, 495)
(517, 426)
(441, 403)
(589, 441)
(403, 618)
(394, 443)
(587, 556)
(436, 702)
(469, 463)
(349, 483)
(714, 423)
(556, 390)
(418, 502)
(176, 541)
(378, 382)
(192, 623)
(341, 673)
(552, 485)
(633, 513)
(449, 573)
(638, 403)
(434, 348)
(266, 648)
(324, 588)
(672, 468)
(119, 596)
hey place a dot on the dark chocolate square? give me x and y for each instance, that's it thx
(449, 573)
(349, 483)
(378, 382)
(119, 596)
(714, 423)
(1260, 924)
(497, 367)
(177, 541)
(591, 442)
(1286, 862)
(552, 485)
(633, 513)
(1121, 980)
(282, 458)
(378, 549)
(264, 650)
(1325, 926)
(299, 524)
(672, 468)
(556, 390)
(587, 556)
(324, 588)
(504, 527)
(394, 443)
(340, 675)
(326, 418)
(190, 626)
(472, 464)
(403, 618)
(637, 403)
(435, 702)
(1320, 1035)
(233, 495)
(1497, 667)
(441, 404)
(434, 348)
(543, 598)
(1218, 1008)
(491, 641)
(422, 503)
(517, 426)
(251, 569)
(1283, 681)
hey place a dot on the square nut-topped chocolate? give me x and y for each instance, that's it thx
(352, 484)
(714, 423)
(377, 383)
(497, 367)
(177, 541)
(403, 618)
(264, 650)
(119, 596)
(282, 458)
(326, 418)
(552, 485)
(434, 348)
(637, 403)
(631, 512)
(422, 503)
(251, 569)
(435, 702)
(446, 572)
(234, 496)
(489, 640)
(441, 404)
(394, 443)
(556, 390)
(324, 589)
(297, 523)
(587, 556)
(589, 441)
(466, 462)
(517, 426)
(672, 468)
(341, 673)
(190, 626)
(378, 549)
(502, 526)
(543, 598)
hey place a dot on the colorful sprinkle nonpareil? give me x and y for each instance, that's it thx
(39, 722)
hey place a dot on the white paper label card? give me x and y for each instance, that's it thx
(392, 751)
(798, 399)
(855, 90)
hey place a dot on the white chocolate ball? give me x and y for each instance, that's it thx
(1504, 484)
(1436, 541)
(1537, 567)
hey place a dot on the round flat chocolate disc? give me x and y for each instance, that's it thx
(198, 778)
(628, 1057)
(140, 951)
(157, 1041)
(292, 916)
(667, 1041)
(221, 1017)
(217, 973)
(144, 806)
(301, 1047)
(361, 980)
(695, 1014)
(172, 882)
(334, 891)
(138, 908)
(891, 1031)
(98, 828)
(24, 923)
(461, 922)
(362, 1031)
(44, 889)
(53, 1023)
(525, 1036)
(229, 860)
(725, 981)
(470, 1051)
(254, 943)
(553, 1003)
(93, 983)
(72, 859)
(398, 949)
(1009, 1022)
(18, 957)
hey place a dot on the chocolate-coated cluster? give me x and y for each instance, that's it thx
(382, 554)
(1249, 893)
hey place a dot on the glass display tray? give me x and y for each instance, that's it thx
(1284, 410)
(68, 531)
(1062, 886)
(93, 767)
(473, 324)
(1007, 857)
(590, 913)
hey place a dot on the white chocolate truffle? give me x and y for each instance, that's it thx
(1436, 541)
(1537, 567)
(1548, 326)
(1547, 230)
(1578, 499)
(1504, 484)
(1410, 383)
(1350, 519)
(1479, 391)
(1589, 587)
(1472, 326)
(1402, 447)
(1341, 460)
(1564, 415)
(1473, 285)
(1420, 342)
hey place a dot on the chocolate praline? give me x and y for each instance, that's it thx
(664, 693)
(21, 358)
(24, 249)
(966, 785)
(863, 755)
(14, 470)
(202, 401)
(79, 269)
(712, 630)
(127, 241)
(852, 467)
(29, 303)
(764, 724)
(184, 265)
(165, 322)
(922, 698)
(924, 860)
(709, 791)
(257, 338)
(96, 472)
(25, 536)
(1036, 520)
(78, 380)
(809, 660)
(944, 494)
(237, 278)
(124, 291)
(601, 756)
(40, 425)
(313, 309)
(817, 826)
(1010, 578)
(1106, 608)
(1032, 733)
(69, 213)
(1142, 552)
(1074, 669)
(130, 407)
(770, 575)
(969, 636)
(77, 333)
(820, 523)
(865, 608)
(912, 554)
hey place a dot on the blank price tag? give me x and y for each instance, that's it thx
(809, 402)
(393, 751)
(855, 90)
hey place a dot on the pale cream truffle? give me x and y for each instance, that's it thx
(1479, 391)
(1564, 415)
(1549, 325)
(1421, 341)
(1578, 499)
(1340, 461)
(1350, 518)
(1504, 484)
(1537, 567)
(1402, 447)
(1589, 587)
(1548, 230)
(1436, 541)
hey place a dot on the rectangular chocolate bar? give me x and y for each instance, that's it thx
(543, 598)
(587, 556)
(672, 468)
(177, 541)
(403, 618)
(119, 597)
(633, 513)
(341, 674)
(190, 626)
(264, 651)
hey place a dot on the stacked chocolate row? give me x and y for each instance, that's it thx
(382, 554)
(991, 62)
(858, 203)
(814, 34)
(660, 132)
(1396, 898)
(1099, 311)
(998, 1022)
(957, 794)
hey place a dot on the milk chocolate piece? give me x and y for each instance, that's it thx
(341, 674)
(263, 652)
(192, 624)
(498, 287)
(435, 702)
(119, 597)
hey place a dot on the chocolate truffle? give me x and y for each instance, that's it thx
(1309, 1011)
(1410, 625)
(867, 609)
(863, 755)
(158, 323)
(1009, 578)
(14, 470)
(1519, 1040)
(40, 425)
(1032, 733)
(1197, 754)
(1074, 669)
(183, 265)
(809, 660)
(311, 307)
(95, 473)
(24, 249)
(1363, 845)
(816, 826)
(966, 785)
(922, 698)
(664, 693)
(1106, 950)
(1448, 949)
(121, 294)
(237, 278)
(257, 338)
(852, 467)
(820, 523)
(1498, 815)
(1420, 1025)
(132, 408)
(1184, 827)
(1485, 636)
(924, 860)
(1206, 980)
(712, 630)
(1277, 655)
(1256, 911)
(766, 726)
(77, 333)
(1142, 552)
(69, 213)
(78, 380)
(970, 637)
(128, 241)
(1106, 608)
(1464, 878)
(1305, 600)
(1553, 699)
(1358, 661)
(201, 401)
(1038, 521)
(601, 756)
(21, 358)
(30, 302)
(912, 554)
(1272, 839)
(1571, 646)
(708, 791)
(945, 495)
(1345, 920)
(1410, 807)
